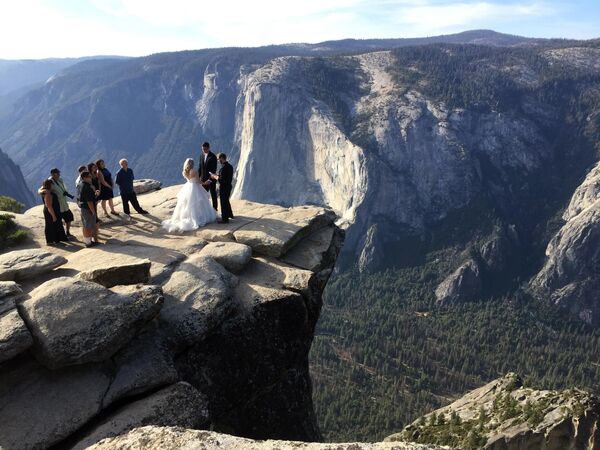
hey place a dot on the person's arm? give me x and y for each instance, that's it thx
(92, 207)
(119, 178)
(48, 204)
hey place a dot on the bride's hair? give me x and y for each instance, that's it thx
(188, 165)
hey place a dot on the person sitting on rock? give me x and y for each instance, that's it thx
(53, 229)
(88, 210)
(58, 188)
(125, 179)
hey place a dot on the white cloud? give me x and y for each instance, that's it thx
(39, 28)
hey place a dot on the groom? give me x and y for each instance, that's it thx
(225, 179)
(208, 165)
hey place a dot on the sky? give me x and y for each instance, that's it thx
(32, 29)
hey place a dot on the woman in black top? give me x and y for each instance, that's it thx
(93, 170)
(106, 187)
(53, 229)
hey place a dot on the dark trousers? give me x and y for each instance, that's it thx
(126, 198)
(212, 188)
(224, 193)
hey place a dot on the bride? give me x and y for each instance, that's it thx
(193, 209)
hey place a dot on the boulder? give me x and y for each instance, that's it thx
(463, 285)
(22, 264)
(14, 335)
(76, 321)
(179, 405)
(274, 233)
(119, 273)
(9, 292)
(146, 185)
(169, 438)
(231, 255)
(198, 296)
(40, 407)
(130, 252)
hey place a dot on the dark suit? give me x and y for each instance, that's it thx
(205, 167)
(225, 182)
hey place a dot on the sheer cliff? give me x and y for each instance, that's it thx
(205, 330)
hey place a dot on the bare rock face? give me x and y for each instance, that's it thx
(40, 407)
(200, 347)
(169, 438)
(22, 264)
(463, 285)
(179, 405)
(76, 322)
(506, 415)
(570, 276)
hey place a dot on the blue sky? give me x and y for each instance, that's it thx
(61, 28)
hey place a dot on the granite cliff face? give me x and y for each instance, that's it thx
(201, 330)
(570, 277)
(12, 183)
(506, 415)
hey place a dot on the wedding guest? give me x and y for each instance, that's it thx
(53, 228)
(79, 183)
(58, 188)
(225, 179)
(88, 210)
(93, 170)
(106, 187)
(125, 179)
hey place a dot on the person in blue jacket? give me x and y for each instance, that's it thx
(124, 180)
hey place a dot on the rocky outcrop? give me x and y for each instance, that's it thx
(12, 183)
(191, 345)
(570, 276)
(463, 285)
(505, 415)
(178, 438)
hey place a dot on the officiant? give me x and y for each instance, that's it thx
(208, 165)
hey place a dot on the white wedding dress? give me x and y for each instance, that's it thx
(193, 209)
